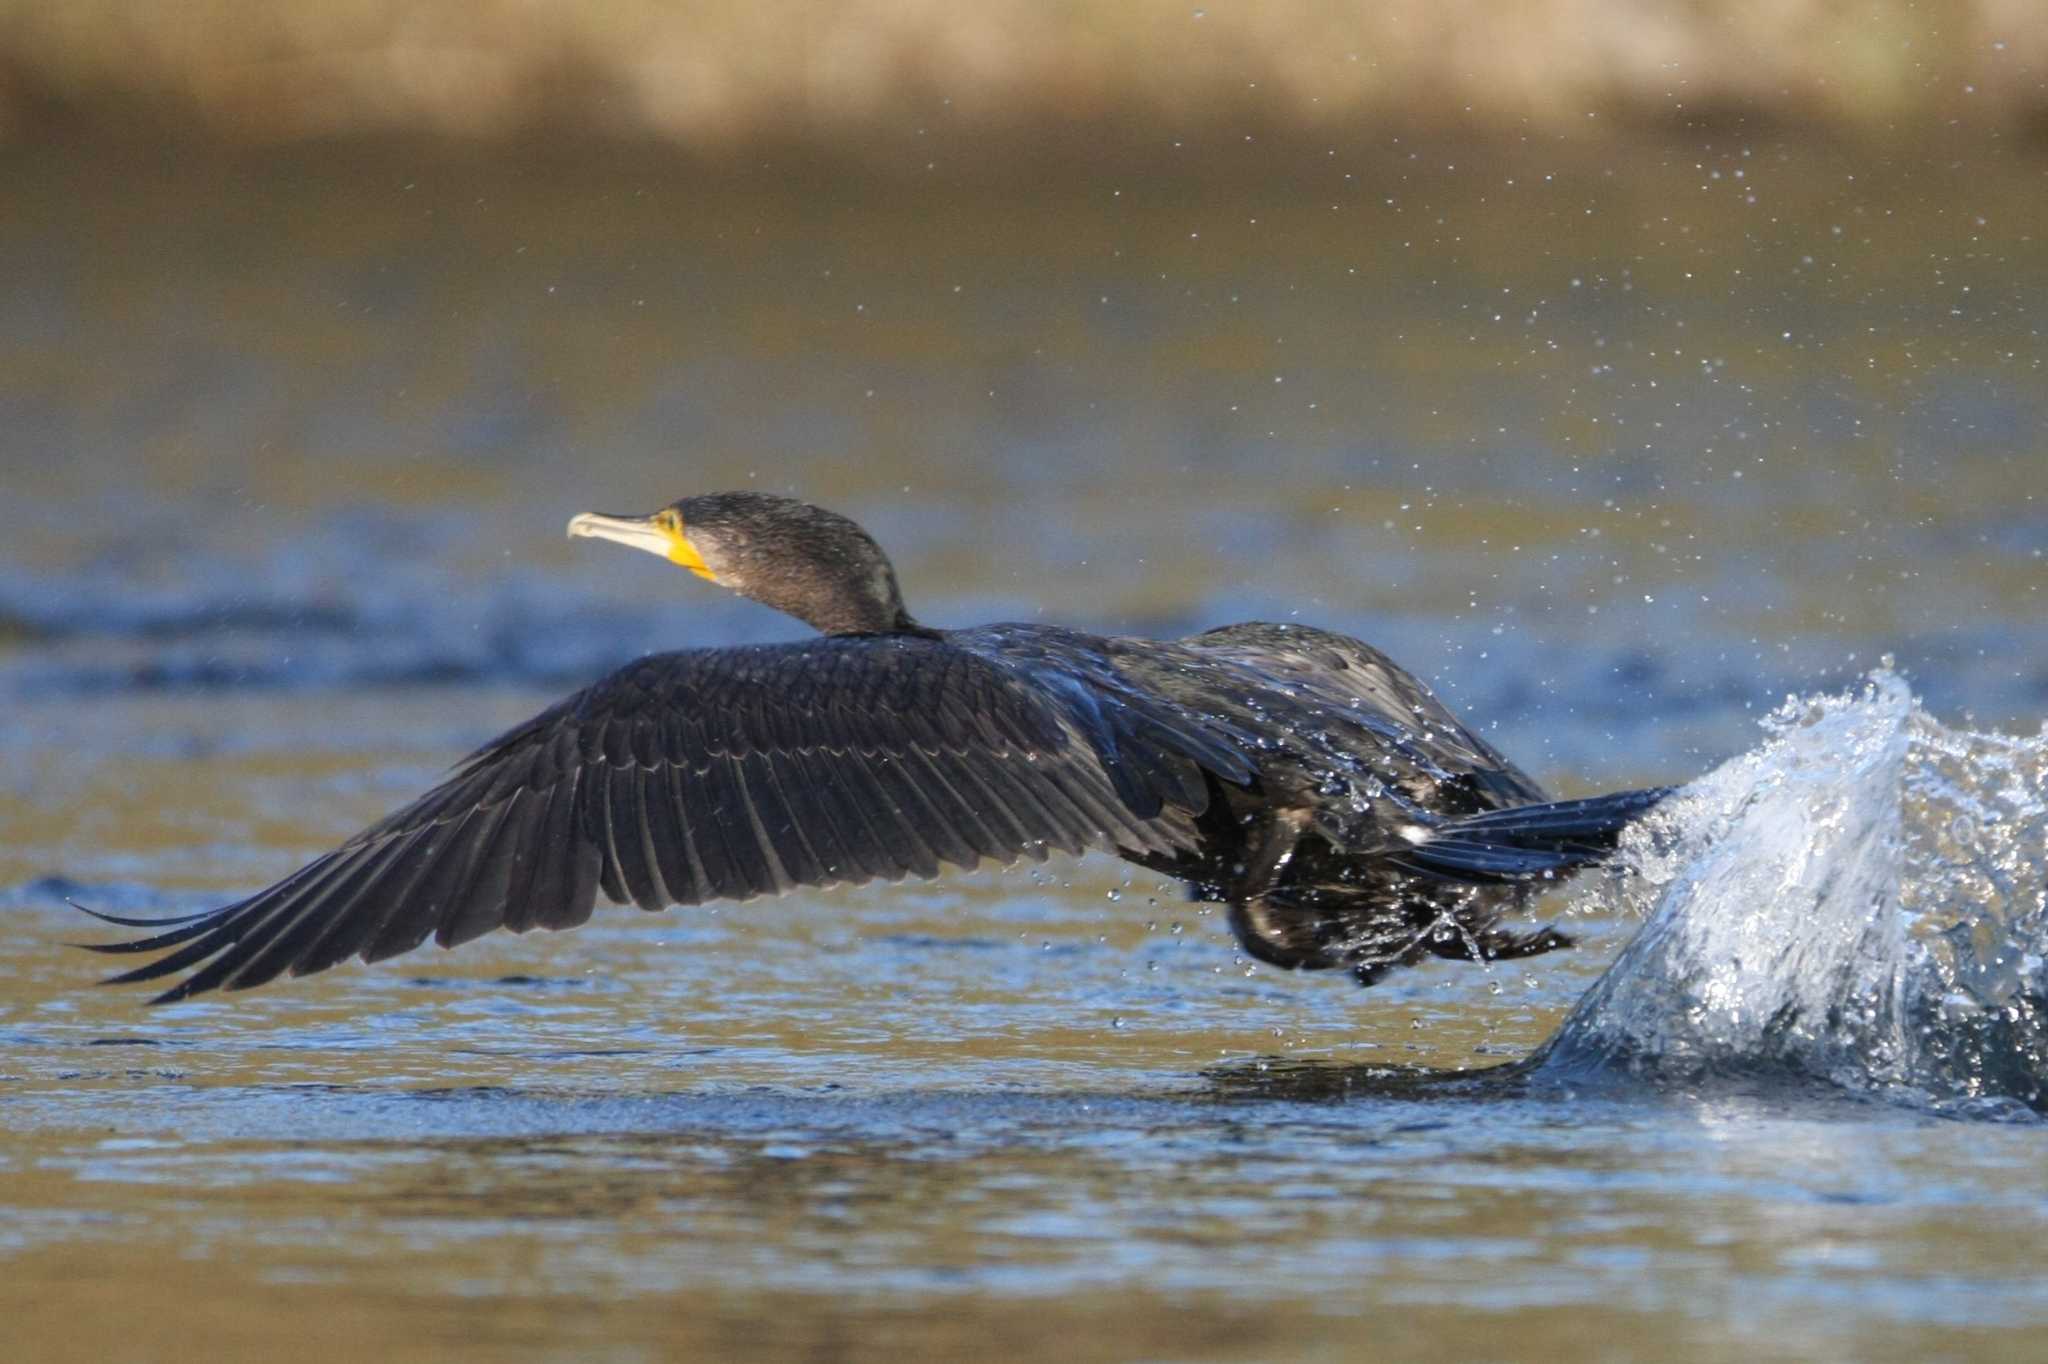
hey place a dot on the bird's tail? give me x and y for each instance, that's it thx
(1527, 842)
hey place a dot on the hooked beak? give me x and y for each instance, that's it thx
(661, 533)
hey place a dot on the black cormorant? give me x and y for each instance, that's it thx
(1298, 776)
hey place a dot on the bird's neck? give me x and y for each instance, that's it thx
(896, 622)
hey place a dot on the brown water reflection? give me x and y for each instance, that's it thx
(1091, 1226)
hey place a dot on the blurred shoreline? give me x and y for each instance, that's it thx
(899, 84)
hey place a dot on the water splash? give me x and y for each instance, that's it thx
(1862, 900)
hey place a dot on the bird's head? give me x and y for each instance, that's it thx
(802, 560)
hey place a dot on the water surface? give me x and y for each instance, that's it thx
(1618, 452)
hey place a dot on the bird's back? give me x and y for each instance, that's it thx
(1338, 725)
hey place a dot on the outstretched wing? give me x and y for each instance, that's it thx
(720, 774)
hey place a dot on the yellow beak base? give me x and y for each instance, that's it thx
(681, 551)
(661, 533)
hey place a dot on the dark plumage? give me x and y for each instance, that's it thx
(1301, 777)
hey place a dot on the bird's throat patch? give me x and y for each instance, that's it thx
(681, 551)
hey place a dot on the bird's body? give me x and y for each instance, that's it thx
(1299, 776)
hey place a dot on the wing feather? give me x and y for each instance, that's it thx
(729, 773)
(835, 826)
(273, 947)
(889, 816)
(549, 885)
(411, 919)
(664, 823)
(287, 941)
(334, 935)
(625, 827)
(787, 816)
(481, 906)
(749, 812)
(724, 809)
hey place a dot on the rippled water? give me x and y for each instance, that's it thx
(1618, 454)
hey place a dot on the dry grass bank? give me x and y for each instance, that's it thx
(854, 75)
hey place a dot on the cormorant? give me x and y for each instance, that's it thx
(1298, 776)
